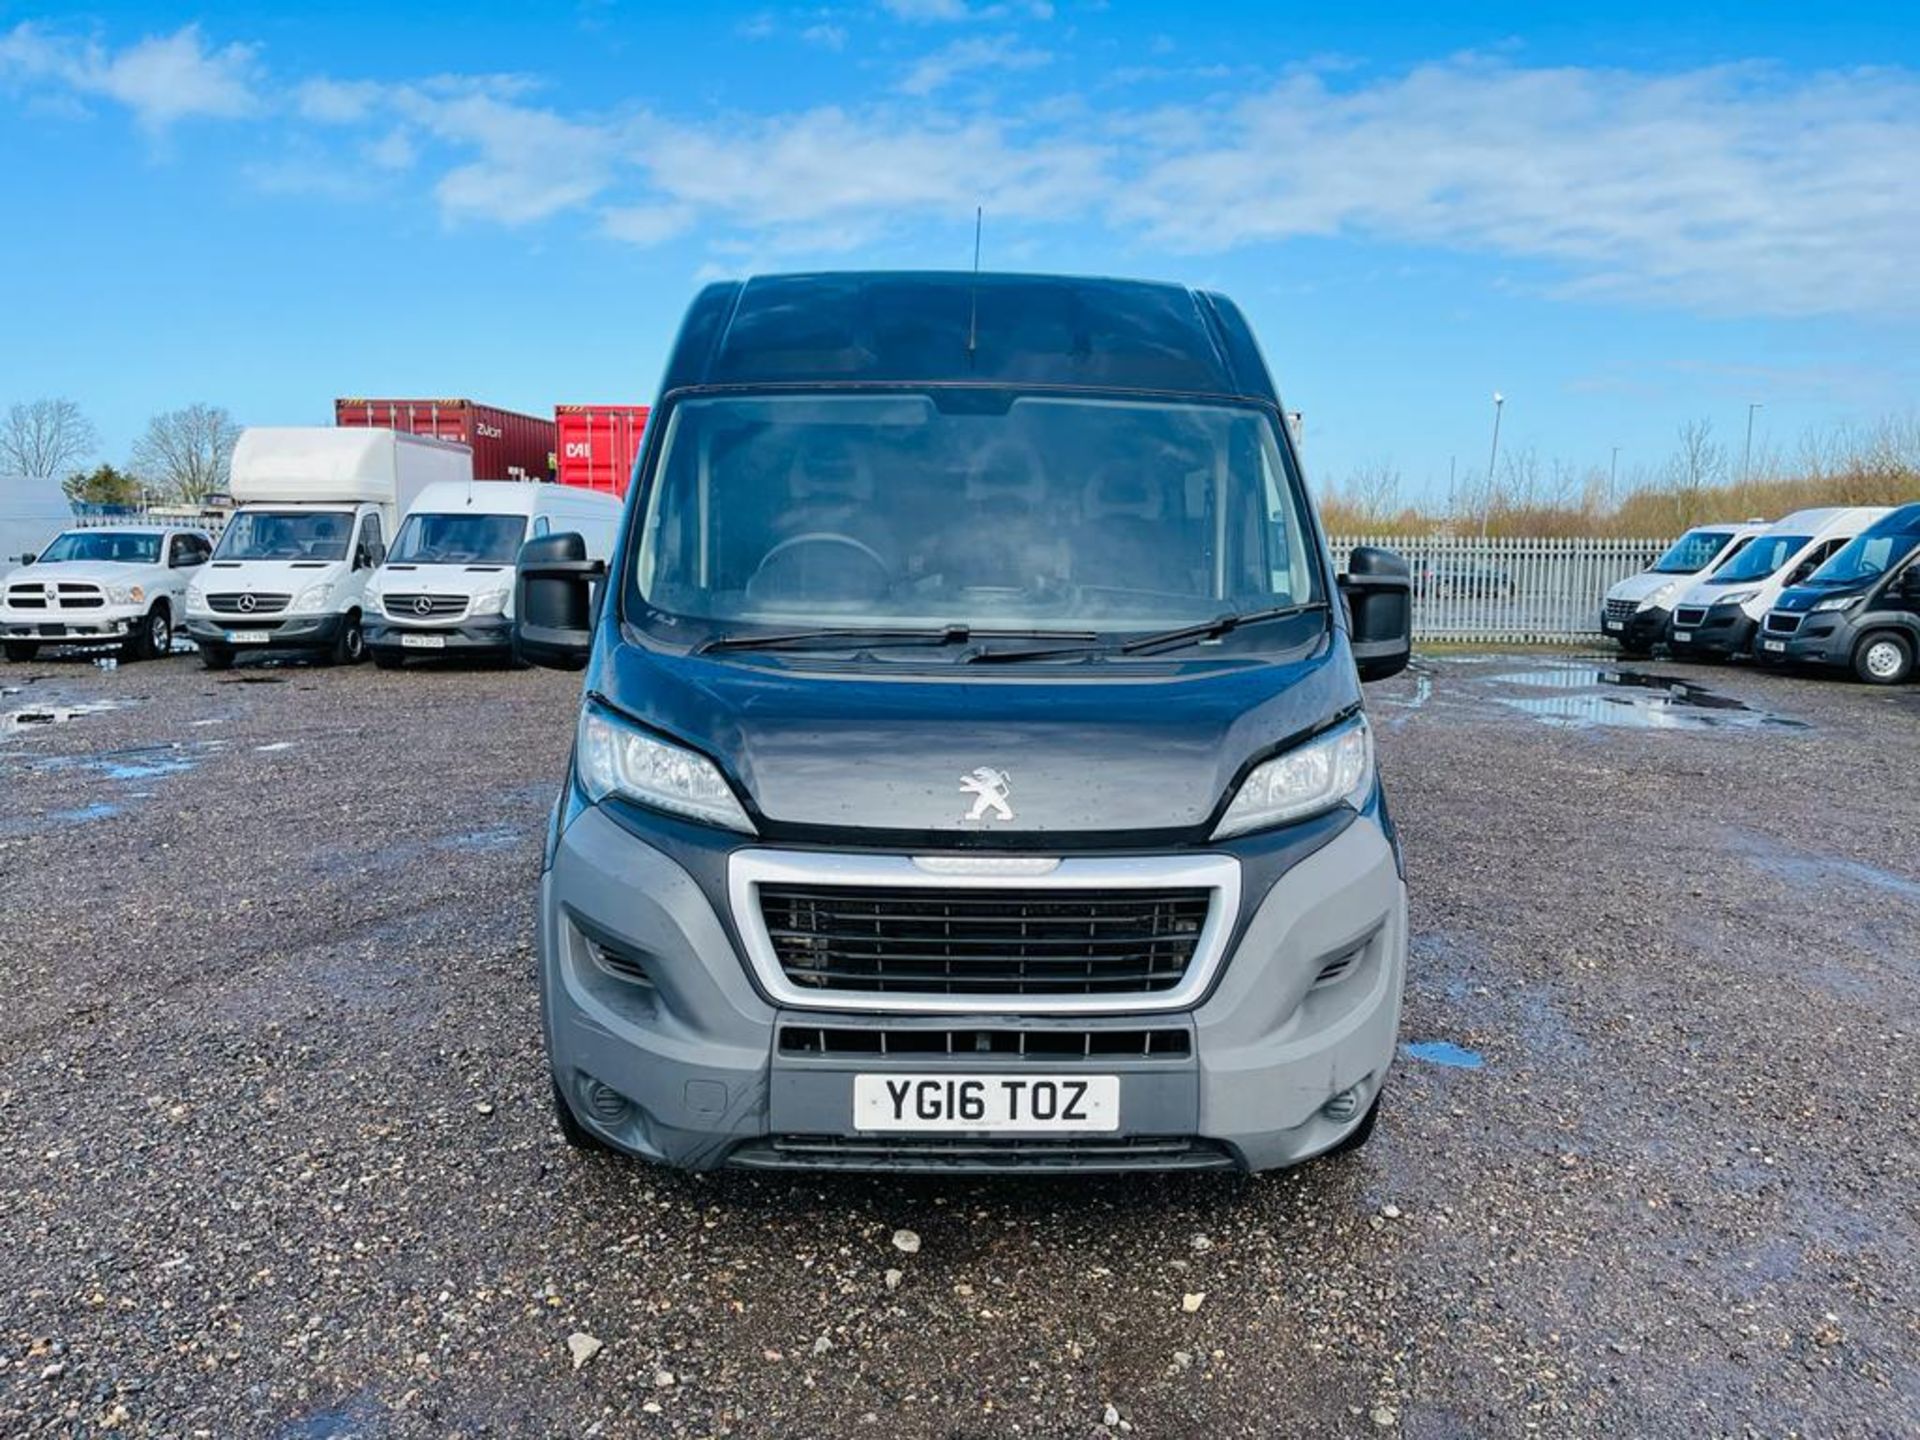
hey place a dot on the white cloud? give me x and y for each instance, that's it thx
(647, 225)
(826, 36)
(394, 150)
(160, 79)
(337, 102)
(1728, 188)
(1003, 52)
(526, 165)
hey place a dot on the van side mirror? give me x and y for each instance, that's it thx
(553, 601)
(28, 557)
(1378, 589)
(376, 554)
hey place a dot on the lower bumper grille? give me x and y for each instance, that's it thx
(1690, 617)
(969, 941)
(1781, 623)
(837, 1152)
(826, 1041)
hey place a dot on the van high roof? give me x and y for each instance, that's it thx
(927, 327)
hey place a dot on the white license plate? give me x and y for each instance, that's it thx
(1775, 645)
(1683, 636)
(246, 637)
(423, 642)
(1007, 1104)
(1616, 624)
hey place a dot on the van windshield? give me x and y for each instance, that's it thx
(1863, 558)
(1691, 552)
(286, 535)
(977, 508)
(117, 546)
(1759, 559)
(458, 539)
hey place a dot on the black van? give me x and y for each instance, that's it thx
(972, 772)
(1861, 609)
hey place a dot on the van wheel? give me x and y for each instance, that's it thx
(349, 646)
(216, 657)
(21, 651)
(153, 638)
(1883, 658)
(388, 659)
(575, 1134)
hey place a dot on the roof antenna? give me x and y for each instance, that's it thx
(973, 290)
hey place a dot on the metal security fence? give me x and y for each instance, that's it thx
(1509, 590)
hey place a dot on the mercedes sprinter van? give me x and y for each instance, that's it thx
(972, 772)
(446, 586)
(1860, 610)
(317, 506)
(1718, 618)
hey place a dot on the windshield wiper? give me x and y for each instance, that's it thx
(1158, 640)
(866, 636)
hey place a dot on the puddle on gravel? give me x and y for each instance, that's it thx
(58, 819)
(40, 717)
(1445, 1052)
(1596, 695)
(359, 1418)
(139, 762)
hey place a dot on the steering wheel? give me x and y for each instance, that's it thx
(883, 573)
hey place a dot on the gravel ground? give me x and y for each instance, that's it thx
(276, 1157)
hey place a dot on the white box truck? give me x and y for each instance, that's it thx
(316, 506)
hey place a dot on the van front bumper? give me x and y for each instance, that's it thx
(488, 635)
(1824, 638)
(1726, 631)
(1640, 631)
(300, 632)
(663, 1046)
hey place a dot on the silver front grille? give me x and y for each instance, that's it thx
(424, 607)
(860, 932)
(247, 602)
(1621, 609)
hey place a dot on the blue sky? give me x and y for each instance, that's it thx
(1623, 221)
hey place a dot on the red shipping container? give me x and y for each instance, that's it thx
(506, 445)
(598, 444)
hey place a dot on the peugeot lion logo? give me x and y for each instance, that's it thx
(989, 788)
(422, 605)
(247, 602)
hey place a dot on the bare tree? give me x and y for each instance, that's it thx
(1698, 464)
(186, 452)
(45, 437)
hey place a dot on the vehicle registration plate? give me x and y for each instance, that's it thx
(1683, 636)
(994, 1103)
(246, 637)
(423, 642)
(1616, 624)
(1776, 645)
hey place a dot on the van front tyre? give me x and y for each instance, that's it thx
(349, 646)
(21, 651)
(216, 657)
(575, 1134)
(1883, 658)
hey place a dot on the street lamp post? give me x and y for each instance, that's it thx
(1746, 455)
(1493, 455)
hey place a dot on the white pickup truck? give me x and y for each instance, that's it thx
(121, 585)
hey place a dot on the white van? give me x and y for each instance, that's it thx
(1636, 610)
(316, 508)
(1718, 617)
(447, 584)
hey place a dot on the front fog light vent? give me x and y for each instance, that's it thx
(625, 964)
(604, 1103)
(1343, 1106)
(1337, 967)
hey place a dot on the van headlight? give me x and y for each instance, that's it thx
(314, 598)
(1737, 597)
(493, 602)
(614, 758)
(125, 594)
(1838, 602)
(1661, 596)
(1333, 769)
